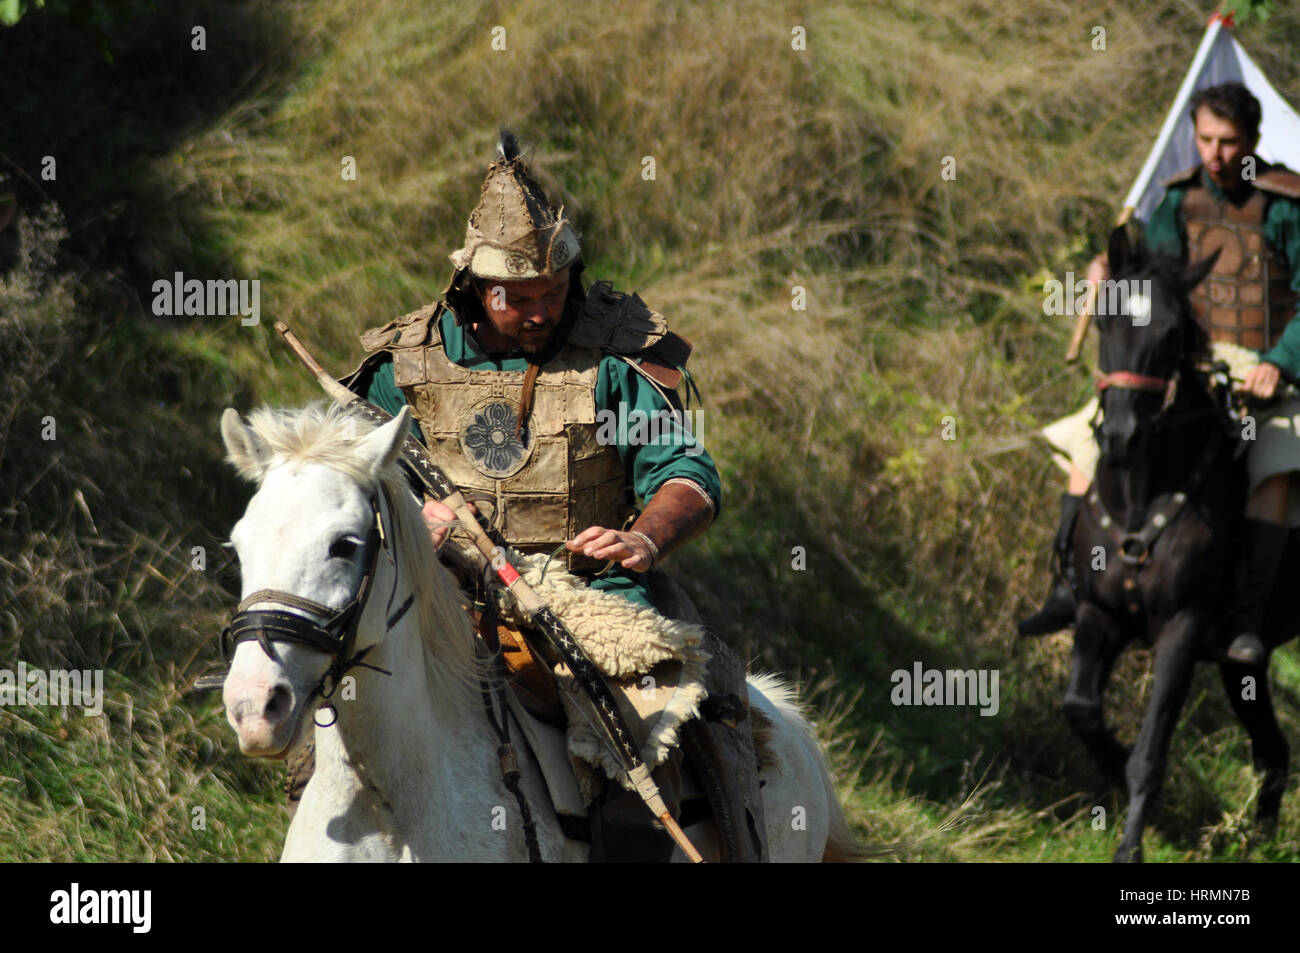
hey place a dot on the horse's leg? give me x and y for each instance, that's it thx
(1175, 659)
(1247, 688)
(1097, 643)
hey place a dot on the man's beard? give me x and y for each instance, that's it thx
(535, 343)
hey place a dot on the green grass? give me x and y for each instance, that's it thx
(154, 778)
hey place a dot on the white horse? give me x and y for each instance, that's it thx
(408, 770)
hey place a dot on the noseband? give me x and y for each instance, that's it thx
(336, 636)
(1128, 380)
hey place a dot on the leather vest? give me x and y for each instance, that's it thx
(555, 479)
(1247, 298)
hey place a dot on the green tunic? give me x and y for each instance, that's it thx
(649, 464)
(1167, 232)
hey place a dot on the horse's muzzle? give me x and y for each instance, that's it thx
(264, 714)
(1120, 438)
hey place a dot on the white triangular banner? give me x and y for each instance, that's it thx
(1219, 59)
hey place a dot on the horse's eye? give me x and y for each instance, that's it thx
(344, 547)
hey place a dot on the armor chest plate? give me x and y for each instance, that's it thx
(1246, 299)
(541, 487)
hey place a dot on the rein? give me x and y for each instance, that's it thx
(493, 694)
(335, 637)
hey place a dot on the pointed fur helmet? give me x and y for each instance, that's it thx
(514, 234)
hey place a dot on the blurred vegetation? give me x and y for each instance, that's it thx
(775, 168)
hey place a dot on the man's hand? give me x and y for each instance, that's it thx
(1261, 381)
(1098, 270)
(675, 514)
(436, 512)
(600, 543)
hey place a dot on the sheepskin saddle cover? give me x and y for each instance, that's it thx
(655, 667)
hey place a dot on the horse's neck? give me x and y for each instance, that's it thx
(406, 779)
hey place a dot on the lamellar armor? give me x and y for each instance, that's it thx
(548, 480)
(1247, 297)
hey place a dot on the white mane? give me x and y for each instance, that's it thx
(327, 434)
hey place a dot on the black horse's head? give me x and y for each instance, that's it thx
(1147, 331)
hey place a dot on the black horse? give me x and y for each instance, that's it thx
(1155, 537)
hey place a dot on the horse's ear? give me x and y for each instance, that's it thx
(244, 448)
(1119, 251)
(1196, 273)
(1126, 252)
(382, 445)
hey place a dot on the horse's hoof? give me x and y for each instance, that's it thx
(1129, 855)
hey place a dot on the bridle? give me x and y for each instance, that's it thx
(336, 636)
(1134, 548)
(1146, 383)
(1129, 380)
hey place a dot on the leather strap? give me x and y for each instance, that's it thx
(493, 690)
(526, 397)
(1127, 380)
(336, 636)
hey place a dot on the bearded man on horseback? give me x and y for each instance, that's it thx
(528, 391)
(1249, 211)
